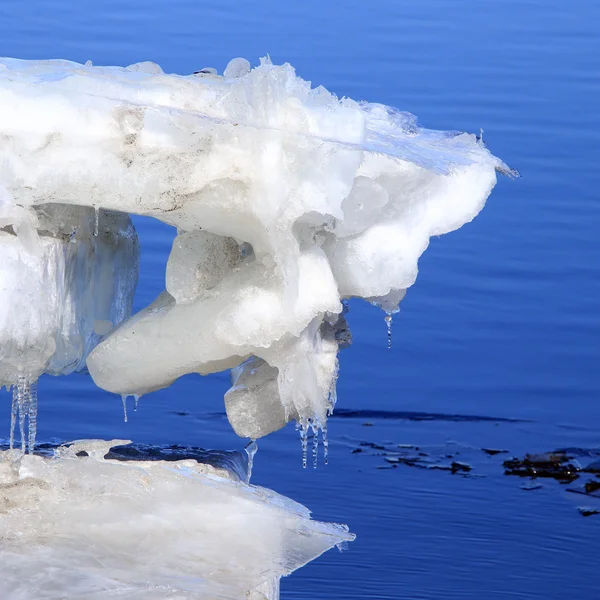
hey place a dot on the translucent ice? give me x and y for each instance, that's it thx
(58, 282)
(287, 200)
(96, 528)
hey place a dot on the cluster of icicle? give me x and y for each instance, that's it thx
(287, 201)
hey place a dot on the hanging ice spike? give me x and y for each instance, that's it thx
(124, 401)
(24, 407)
(303, 428)
(388, 322)
(251, 450)
(304, 441)
(315, 448)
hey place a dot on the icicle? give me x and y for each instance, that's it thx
(315, 440)
(25, 406)
(32, 418)
(136, 400)
(124, 400)
(13, 414)
(23, 402)
(325, 444)
(332, 396)
(302, 426)
(303, 429)
(251, 450)
(97, 212)
(388, 322)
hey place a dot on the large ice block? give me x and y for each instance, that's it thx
(102, 528)
(287, 200)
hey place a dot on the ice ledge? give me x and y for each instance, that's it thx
(287, 200)
(146, 529)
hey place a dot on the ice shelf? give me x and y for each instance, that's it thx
(287, 201)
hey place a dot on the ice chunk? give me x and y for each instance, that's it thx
(145, 67)
(287, 200)
(244, 315)
(89, 527)
(52, 294)
(253, 403)
(237, 67)
(198, 262)
(60, 289)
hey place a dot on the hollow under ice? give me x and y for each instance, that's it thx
(287, 201)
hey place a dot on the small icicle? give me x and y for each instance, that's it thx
(124, 400)
(13, 414)
(325, 444)
(315, 440)
(23, 402)
(251, 450)
(136, 400)
(303, 429)
(97, 212)
(332, 397)
(388, 322)
(33, 409)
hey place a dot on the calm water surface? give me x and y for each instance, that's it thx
(504, 320)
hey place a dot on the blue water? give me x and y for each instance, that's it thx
(504, 319)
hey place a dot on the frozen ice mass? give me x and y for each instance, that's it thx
(287, 202)
(146, 530)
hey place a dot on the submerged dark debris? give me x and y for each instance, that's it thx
(493, 451)
(435, 458)
(589, 488)
(561, 465)
(555, 465)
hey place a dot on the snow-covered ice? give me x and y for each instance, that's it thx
(286, 198)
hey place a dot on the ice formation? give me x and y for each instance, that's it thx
(80, 526)
(287, 200)
(67, 278)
